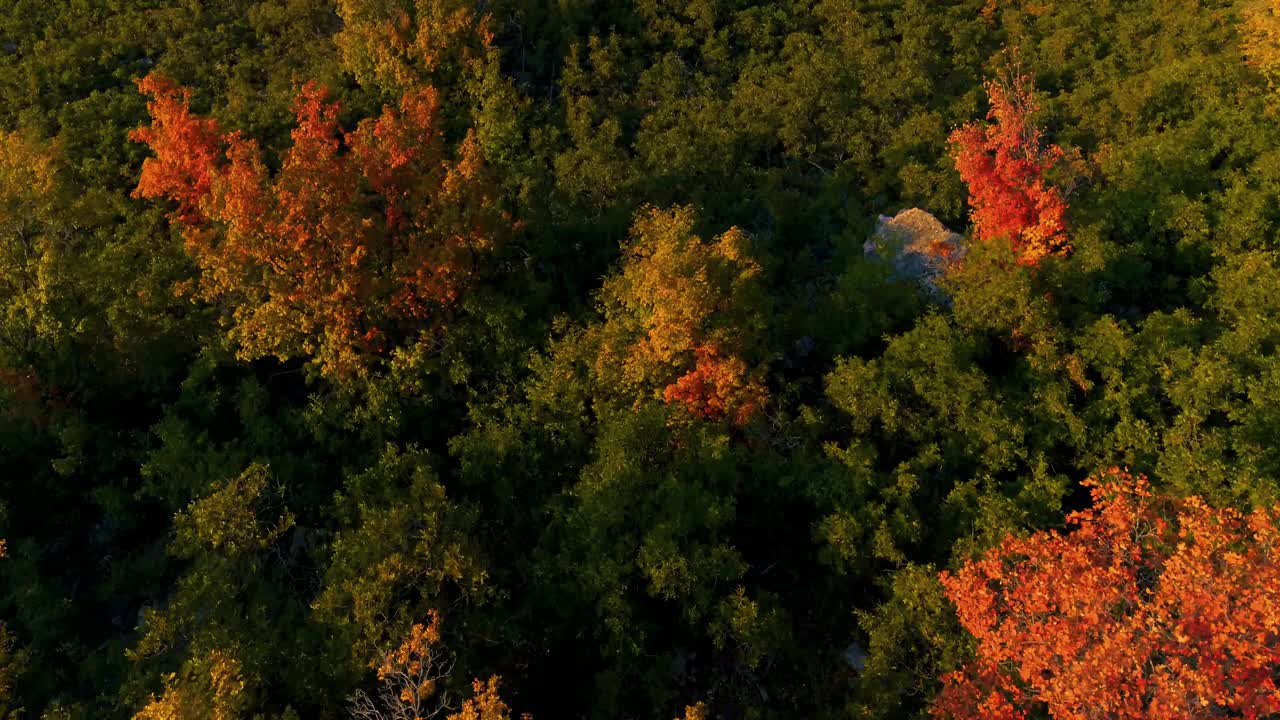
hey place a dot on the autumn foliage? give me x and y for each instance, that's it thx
(1260, 37)
(409, 676)
(413, 676)
(1004, 163)
(359, 237)
(485, 703)
(1147, 608)
(687, 308)
(214, 689)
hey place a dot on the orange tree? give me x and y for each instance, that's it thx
(1148, 607)
(359, 238)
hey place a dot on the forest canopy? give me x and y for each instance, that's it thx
(694, 359)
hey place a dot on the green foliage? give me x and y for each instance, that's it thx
(403, 547)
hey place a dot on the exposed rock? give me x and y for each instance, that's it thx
(919, 247)
(855, 657)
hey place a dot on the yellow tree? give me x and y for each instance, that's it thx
(682, 319)
(1260, 31)
(697, 711)
(403, 44)
(35, 243)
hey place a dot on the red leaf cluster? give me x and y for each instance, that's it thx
(1149, 609)
(1004, 163)
(716, 386)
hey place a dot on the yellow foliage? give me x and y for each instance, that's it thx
(213, 690)
(227, 519)
(399, 45)
(696, 711)
(680, 317)
(32, 244)
(1260, 31)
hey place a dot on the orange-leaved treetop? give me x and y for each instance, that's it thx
(1148, 607)
(1004, 163)
(358, 239)
(413, 678)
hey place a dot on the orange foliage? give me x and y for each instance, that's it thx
(697, 711)
(413, 677)
(486, 703)
(717, 385)
(215, 689)
(1147, 609)
(187, 149)
(414, 670)
(358, 234)
(1004, 164)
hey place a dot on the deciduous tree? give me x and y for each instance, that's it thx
(682, 316)
(360, 238)
(211, 688)
(1147, 607)
(1260, 32)
(485, 703)
(411, 678)
(1005, 163)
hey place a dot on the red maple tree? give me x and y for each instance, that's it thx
(357, 234)
(1004, 163)
(1148, 608)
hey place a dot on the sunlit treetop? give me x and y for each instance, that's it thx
(211, 688)
(1260, 37)
(402, 44)
(1005, 163)
(1147, 608)
(412, 679)
(683, 317)
(358, 241)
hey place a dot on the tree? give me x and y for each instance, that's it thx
(402, 545)
(399, 45)
(222, 622)
(1005, 166)
(44, 292)
(1149, 607)
(681, 317)
(697, 711)
(485, 704)
(411, 678)
(359, 239)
